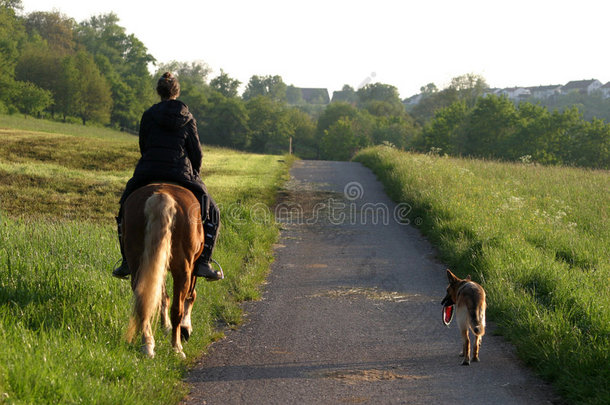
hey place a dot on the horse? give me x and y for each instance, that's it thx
(162, 229)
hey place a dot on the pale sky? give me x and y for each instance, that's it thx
(329, 43)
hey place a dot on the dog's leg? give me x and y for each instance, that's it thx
(466, 347)
(477, 346)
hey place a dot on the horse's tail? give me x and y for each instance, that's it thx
(159, 211)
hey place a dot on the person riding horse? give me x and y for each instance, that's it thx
(171, 152)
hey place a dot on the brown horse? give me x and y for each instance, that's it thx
(162, 229)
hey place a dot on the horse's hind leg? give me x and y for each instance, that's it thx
(165, 321)
(177, 312)
(186, 328)
(148, 341)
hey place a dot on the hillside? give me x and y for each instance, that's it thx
(62, 315)
(537, 238)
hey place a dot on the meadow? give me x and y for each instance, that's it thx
(537, 238)
(62, 316)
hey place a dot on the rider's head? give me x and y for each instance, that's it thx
(168, 87)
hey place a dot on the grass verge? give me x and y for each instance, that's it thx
(537, 238)
(62, 316)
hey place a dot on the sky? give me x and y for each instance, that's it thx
(405, 43)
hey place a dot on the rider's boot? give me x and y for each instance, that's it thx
(203, 268)
(123, 270)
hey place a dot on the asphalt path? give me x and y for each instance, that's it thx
(351, 312)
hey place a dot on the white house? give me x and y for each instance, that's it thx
(605, 89)
(543, 92)
(515, 93)
(582, 86)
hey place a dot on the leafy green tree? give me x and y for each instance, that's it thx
(591, 145)
(333, 113)
(380, 99)
(55, 28)
(341, 141)
(268, 86)
(225, 122)
(93, 91)
(446, 131)
(12, 38)
(225, 85)
(124, 61)
(31, 99)
(294, 95)
(270, 130)
(492, 124)
(396, 130)
(347, 95)
(433, 102)
(469, 87)
(304, 143)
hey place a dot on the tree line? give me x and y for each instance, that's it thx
(94, 72)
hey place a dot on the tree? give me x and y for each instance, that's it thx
(304, 144)
(491, 126)
(268, 86)
(446, 131)
(55, 28)
(38, 65)
(333, 113)
(397, 130)
(469, 87)
(225, 85)
(269, 127)
(124, 61)
(225, 122)
(294, 95)
(93, 91)
(31, 99)
(340, 140)
(12, 36)
(378, 92)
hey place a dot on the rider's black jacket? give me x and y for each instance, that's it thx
(170, 148)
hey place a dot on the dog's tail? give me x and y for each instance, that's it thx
(477, 317)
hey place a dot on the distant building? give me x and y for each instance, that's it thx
(581, 86)
(315, 96)
(515, 93)
(543, 92)
(605, 89)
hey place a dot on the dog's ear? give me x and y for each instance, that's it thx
(451, 277)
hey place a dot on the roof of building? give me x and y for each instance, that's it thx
(579, 84)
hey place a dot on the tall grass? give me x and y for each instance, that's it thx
(538, 238)
(62, 315)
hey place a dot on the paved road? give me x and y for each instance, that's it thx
(351, 313)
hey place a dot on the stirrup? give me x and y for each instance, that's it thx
(217, 274)
(222, 273)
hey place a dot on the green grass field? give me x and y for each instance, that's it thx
(62, 316)
(537, 238)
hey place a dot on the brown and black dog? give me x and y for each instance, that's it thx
(469, 300)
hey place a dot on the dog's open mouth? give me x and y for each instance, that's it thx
(448, 312)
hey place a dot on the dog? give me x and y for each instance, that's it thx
(469, 299)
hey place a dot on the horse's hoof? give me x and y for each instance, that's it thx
(475, 359)
(180, 353)
(149, 352)
(465, 363)
(184, 334)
